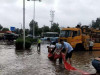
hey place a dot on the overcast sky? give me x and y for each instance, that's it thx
(67, 12)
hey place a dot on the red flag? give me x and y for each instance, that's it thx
(56, 56)
(69, 67)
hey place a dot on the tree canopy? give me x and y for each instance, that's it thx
(5, 29)
(55, 27)
(1, 27)
(45, 29)
(35, 27)
(96, 24)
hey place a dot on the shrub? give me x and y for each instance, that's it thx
(27, 44)
(19, 43)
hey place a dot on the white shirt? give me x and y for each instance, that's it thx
(52, 46)
(68, 46)
(91, 43)
(58, 46)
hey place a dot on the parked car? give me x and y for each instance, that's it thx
(10, 36)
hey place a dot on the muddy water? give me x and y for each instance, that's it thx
(33, 62)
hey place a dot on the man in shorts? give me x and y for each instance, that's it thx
(67, 49)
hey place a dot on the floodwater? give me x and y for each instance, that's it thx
(33, 62)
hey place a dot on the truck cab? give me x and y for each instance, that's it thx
(72, 36)
(80, 40)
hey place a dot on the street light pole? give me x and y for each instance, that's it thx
(34, 19)
(34, 16)
(23, 24)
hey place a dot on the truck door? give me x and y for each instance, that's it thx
(76, 38)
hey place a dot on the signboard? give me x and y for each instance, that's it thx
(12, 28)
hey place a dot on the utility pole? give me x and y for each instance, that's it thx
(34, 16)
(23, 24)
(34, 19)
(52, 16)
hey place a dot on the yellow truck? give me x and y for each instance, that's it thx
(79, 38)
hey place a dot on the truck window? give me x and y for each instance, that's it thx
(74, 33)
(66, 33)
(79, 33)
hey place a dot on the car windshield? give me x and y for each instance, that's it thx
(65, 33)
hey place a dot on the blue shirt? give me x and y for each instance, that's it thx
(58, 46)
(68, 46)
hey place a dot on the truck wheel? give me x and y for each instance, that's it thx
(79, 47)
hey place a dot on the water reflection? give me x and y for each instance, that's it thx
(34, 62)
(23, 52)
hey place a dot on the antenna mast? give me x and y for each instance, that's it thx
(52, 17)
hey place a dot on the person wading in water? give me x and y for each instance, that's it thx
(67, 49)
(38, 44)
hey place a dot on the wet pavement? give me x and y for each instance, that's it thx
(33, 62)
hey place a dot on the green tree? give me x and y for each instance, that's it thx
(21, 31)
(35, 27)
(96, 24)
(17, 31)
(45, 29)
(5, 29)
(27, 31)
(1, 26)
(40, 30)
(55, 27)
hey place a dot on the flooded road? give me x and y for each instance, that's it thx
(32, 62)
